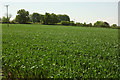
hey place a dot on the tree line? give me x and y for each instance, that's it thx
(23, 17)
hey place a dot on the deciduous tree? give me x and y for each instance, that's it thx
(22, 16)
(35, 17)
(63, 17)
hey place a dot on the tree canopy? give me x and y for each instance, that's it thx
(35, 17)
(5, 20)
(22, 17)
(46, 19)
(50, 18)
(63, 17)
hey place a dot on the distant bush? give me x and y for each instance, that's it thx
(59, 23)
(101, 24)
(84, 24)
(13, 22)
(77, 24)
(114, 25)
(72, 23)
(5, 20)
(89, 25)
(65, 22)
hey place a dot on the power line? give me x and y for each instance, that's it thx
(7, 15)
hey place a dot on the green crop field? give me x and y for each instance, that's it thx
(52, 51)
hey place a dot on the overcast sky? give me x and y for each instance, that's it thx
(78, 10)
(59, 0)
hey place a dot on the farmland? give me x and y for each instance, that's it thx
(52, 51)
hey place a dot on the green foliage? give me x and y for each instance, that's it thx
(84, 24)
(47, 51)
(50, 18)
(13, 22)
(47, 19)
(106, 24)
(41, 18)
(35, 17)
(54, 18)
(89, 25)
(101, 24)
(5, 20)
(22, 17)
(63, 17)
(65, 22)
(0, 19)
(114, 25)
(72, 23)
(79, 24)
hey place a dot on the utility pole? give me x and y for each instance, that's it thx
(7, 15)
